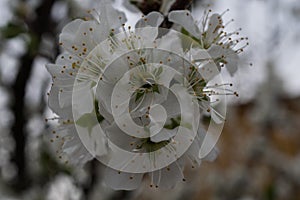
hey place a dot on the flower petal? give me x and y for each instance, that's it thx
(69, 146)
(110, 17)
(53, 102)
(166, 5)
(168, 177)
(153, 19)
(194, 149)
(214, 24)
(164, 135)
(185, 19)
(122, 180)
(127, 4)
(229, 55)
(118, 137)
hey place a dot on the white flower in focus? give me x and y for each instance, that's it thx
(149, 81)
(223, 47)
(77, 39)
(133, 99)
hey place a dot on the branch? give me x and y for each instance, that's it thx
(38, 27)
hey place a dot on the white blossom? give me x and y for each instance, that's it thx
(134, 99)
(223, 47)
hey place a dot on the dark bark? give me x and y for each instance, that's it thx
(93, 169)
(18, 128)
(154, 5)
(148, 6)
(37, 27)
(122, 195)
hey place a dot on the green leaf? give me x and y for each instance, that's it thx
(187, 44)
(100, 118)
(138, 95)
(155, 88)
(88, 121)
(175, 122)
(153, 146)
(158, 71)
(12, 30)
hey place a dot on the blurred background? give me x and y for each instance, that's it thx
(260, 145)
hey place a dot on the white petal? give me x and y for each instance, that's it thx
(231, 57)
(158, 117)
(216, 51)
(167, 178)
(171, 105)
(208, 70)
(65, 98)
(212, 155)
(72, 146)
(216, 117)
(185, 19)
(103, 112)
(148, 35)
(64, 62)
(166, 5)
(199, 54)
(194, 149)
(232, 62)
(203, 134)
(214, 24)
(86, 36)
(121, 180)
(110, 17)
(120, 138)
(83, 98)
(80, 37)
(138, 107)
(166, 76)
(104, 93)
(53, 102)
(69, 30)
(60, 79)
(164, 135)
(127, 4)
(153, 19)
(93, 138)
(170, 42)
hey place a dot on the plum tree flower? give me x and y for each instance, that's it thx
(78, 38)
(223, 47)
(134, 99)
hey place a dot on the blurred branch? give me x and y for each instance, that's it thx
(122, 195)
(154, 5)
(18, 128)
(38, 26)
(181, 5)
(148, 6)
(93, 179)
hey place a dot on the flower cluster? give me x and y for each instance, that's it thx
(135, 98)
(223, 47)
